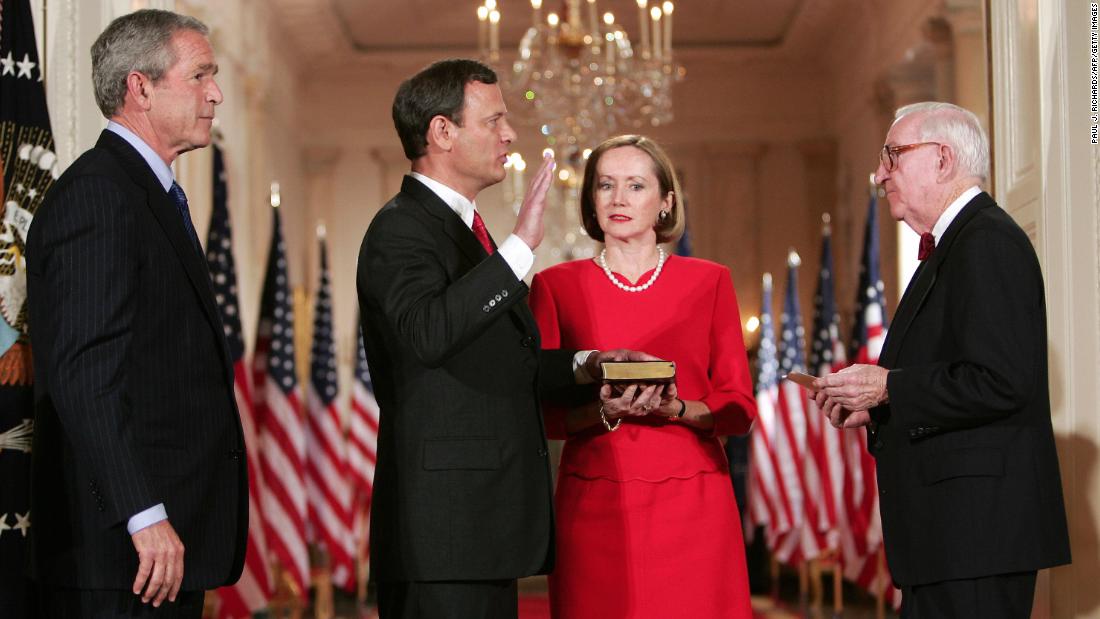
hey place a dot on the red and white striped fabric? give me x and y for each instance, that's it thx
(798, 471)
(327, 483)
(823, 442)
(768, 502)
(861, 560)
(362, 446)
(253, 590)
(279, 417)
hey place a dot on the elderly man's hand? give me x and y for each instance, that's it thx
(857, 388)
(839, 416)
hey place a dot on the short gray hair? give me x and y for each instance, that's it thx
(957, 127)
(140, 41)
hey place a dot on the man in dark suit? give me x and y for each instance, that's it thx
(462, 497)
(139, 486)
(958, 408)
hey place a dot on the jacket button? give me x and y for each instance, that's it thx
(485, 309)
(503, 293)
(498, 297)
(492, 302)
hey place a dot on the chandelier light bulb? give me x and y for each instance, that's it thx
(579, 79)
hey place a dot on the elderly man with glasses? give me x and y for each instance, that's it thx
(958, 409)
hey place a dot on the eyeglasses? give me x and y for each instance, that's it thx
(889, 154)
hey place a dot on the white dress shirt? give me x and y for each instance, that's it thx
(514, 251)
(949, 214)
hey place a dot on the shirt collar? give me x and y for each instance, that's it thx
(952, 211)
(458, 202)
(160, 169)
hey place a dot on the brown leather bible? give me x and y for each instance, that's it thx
(638, 371)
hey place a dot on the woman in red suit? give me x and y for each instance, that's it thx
(647, 521)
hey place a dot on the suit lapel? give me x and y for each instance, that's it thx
(166, 214)
(464, 237)
(453, 225)
(924, 279)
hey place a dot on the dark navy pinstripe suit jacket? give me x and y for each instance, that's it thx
(134, 401)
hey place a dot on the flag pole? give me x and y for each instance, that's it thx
(45, 41)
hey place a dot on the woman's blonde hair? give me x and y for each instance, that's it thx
(668, 229)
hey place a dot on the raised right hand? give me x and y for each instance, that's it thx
(529, 227)
(160, 567)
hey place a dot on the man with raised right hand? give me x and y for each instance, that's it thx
(462, 497)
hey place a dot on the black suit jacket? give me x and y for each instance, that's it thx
(967, 467)
(134, 400)
(462, 486)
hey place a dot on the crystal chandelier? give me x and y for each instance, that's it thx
(578, 78)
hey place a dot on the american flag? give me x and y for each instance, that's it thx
(768, 500)
(253, 590)
(868, 333)
(798, 473)
(825, 443)
(362, 445)
(279, 417)
(327, 483)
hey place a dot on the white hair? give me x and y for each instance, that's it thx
(957, 127)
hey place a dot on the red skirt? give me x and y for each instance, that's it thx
(638, 549)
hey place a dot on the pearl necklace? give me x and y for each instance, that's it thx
(602, 261)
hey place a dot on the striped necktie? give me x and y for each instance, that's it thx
(180, 199)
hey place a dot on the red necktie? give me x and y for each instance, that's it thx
(927, 245)
(482, 234)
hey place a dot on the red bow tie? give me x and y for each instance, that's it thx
(927, 246)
